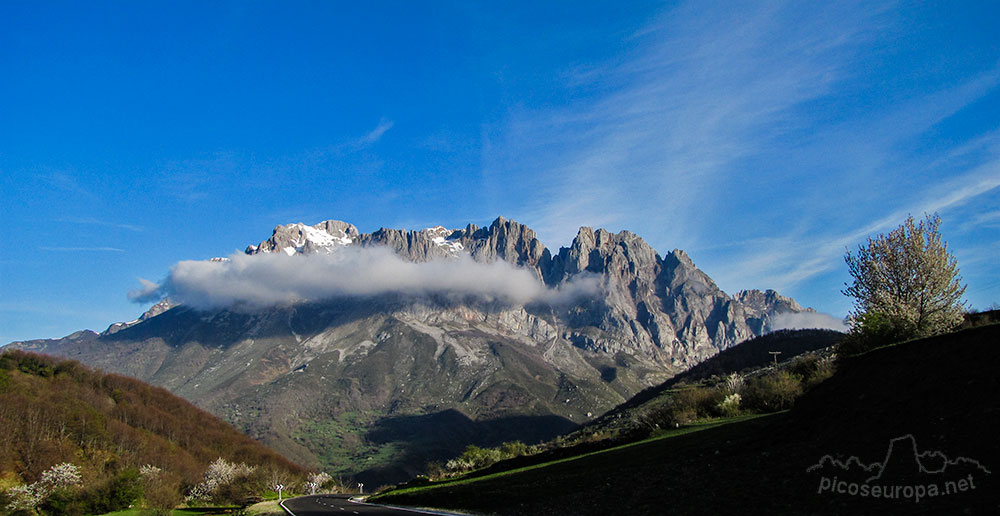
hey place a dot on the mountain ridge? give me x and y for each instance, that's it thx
(346, 363)
(636, 269)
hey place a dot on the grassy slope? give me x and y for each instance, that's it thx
(943, 390)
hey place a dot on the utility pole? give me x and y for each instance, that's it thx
(775, 355)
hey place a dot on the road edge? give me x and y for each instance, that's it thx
(361, 501)
(282, 504)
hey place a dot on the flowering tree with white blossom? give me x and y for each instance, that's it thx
(220, 474)
(318, 480)
(28, 497)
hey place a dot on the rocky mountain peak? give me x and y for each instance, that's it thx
(680, 257)
(82, 335)
(681, 275)
(767, 300)
(162, 306)
(622, 255)
(417, 246)
(509, 241)
(299, 238)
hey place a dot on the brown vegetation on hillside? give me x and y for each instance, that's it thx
(55, 411)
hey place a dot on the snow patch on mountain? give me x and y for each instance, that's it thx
(298, 238)
(320, 238)
(441, 237)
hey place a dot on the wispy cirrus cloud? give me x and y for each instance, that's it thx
(747, 135)
(376, 134)
(82, 249)
(91, 221)
(785, 260)
(697, 94)
(65, 181)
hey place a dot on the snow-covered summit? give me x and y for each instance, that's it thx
(299, 238)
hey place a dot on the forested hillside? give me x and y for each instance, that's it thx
(109, 426)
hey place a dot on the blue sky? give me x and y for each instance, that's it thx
(763, 138)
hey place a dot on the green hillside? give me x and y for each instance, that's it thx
(942, 391)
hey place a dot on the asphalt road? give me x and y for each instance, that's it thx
(325, 505)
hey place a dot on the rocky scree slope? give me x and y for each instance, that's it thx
(377, 386)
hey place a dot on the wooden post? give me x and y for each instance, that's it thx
(775, 355)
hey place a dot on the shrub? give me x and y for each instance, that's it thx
(480, 457)
(114, 494)
(682, 407)
(650, 418)
(513, 449)
(730, 405)
(773, 392)
(976, 318)
(872, 330)
(435, 469)
(65, 502)
(475, 457)
(162, 492)
(594, 437)
(701, 402)
(813, 370)
(734, 383)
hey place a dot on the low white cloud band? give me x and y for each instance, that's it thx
(806, 321)
(272, 279)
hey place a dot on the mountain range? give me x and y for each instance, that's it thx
(375, 383)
